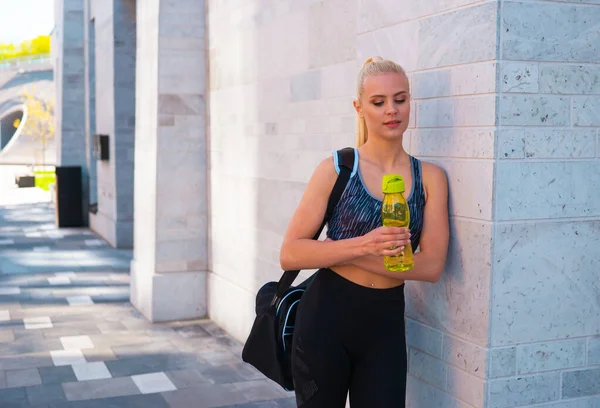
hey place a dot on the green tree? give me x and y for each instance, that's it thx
(40, 121)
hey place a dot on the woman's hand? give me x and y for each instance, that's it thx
(384, 241)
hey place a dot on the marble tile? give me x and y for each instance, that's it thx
(306, 86)
(520, 77)
(59, 280)
(541, 264)
(91, 371)
(459, 302)
(551, 356)
(35, 323)
(331, 43)
(524, 390)
(382, 13)
(581, 383)
(76, 342)
(67, 357)
(94, 389)
(534, 110)
(586, 111)
(593, 350)
(79, 300)
(41, 249)
(470, 187)
(469, 79)
(153, 382)
(424, 338)
(502, 362)
(469, 357)
(534, 190)
(421, 394)
(592, 402)
(569, 79)
(458, 37)
(545, 143)
(23, 378)
(549, 31)
(466, 387)
(427, 368)
(10, 291)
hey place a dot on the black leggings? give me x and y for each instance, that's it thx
(349, 337)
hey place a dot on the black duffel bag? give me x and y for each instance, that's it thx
(269, 345)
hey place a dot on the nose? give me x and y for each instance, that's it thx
(391, 108)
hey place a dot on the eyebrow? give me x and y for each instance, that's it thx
(383, 96)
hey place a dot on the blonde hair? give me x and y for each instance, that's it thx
(372, 66)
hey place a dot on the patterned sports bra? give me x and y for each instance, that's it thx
(358, 212)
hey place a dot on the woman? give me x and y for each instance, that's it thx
(349, 333)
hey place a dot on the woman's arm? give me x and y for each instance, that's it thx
(300, 251)
(430, 261)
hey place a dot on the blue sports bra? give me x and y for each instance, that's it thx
(358, 212)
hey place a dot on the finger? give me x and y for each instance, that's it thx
(392, 252)
(392, 230)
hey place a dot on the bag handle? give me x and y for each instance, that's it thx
(346, 159)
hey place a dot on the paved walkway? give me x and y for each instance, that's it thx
(70, 338)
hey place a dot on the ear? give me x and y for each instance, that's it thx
(358, 108)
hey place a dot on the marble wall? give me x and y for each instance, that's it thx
(113, 102)
(69, 76)
(282, 85)
(171, 193)
(544, 309)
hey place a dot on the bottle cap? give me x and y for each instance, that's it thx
(392, 183)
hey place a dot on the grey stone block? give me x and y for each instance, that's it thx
(534, 110)
(519, 77)
(306, 86)
(57, 375)
(23, 378)
(551, 356)
(586, 111)
(467, 356)
(569, 79)
(49, 394)
(548, 31)
(581, 383)
(503, 362)
(112, 387)
(427, 368)
(524, 390)
(423, 338)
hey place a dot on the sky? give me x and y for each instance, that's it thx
(22, 20)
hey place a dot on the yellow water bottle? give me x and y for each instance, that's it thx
(395, 213)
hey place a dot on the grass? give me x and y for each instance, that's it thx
(43, 179)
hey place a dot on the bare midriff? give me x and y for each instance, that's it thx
(363, 277)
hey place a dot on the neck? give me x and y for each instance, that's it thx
(388, 153)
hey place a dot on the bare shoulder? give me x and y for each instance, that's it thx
(323, 178)
(434, 177)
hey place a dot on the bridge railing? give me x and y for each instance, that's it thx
(25, 61)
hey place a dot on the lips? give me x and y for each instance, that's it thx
(392, 123)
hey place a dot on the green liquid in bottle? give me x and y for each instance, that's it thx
(395, 213)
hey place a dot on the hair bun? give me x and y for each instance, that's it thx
(372, 59)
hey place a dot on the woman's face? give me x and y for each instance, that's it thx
(385, 105)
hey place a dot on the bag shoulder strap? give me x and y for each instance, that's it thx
(345, 164)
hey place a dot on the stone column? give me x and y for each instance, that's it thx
(506, 100)
(69, 78)
(544, 309)
(168, 274)
(90, 98)
(115, 48)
